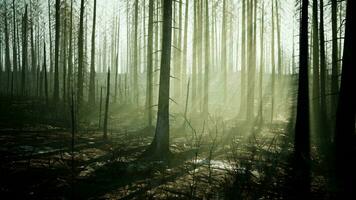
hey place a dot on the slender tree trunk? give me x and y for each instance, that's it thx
(160, 144)
(56, 53)
(106, 116)
(194, 59)
(80, 79)
(7, 53)
(316, 77)
(91, 99)
(50, 45)
(14, 49)
(135, 57)
(185, 46)
(273, 65)
(335, 66)
(64, 47)
(149, 99)
(261, 64)
(243, 61)
(44, 71)
(325, 137)
(207, 62)
(24, 52)
(223, 52)
(70, 51)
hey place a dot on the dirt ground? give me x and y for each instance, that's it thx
(209, 160)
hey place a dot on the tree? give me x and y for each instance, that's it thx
(7, 51)
(70, 50)
(14, 49)
(334, 55)
(345, 115)
(80, 79)
(273, 64)
(243, 60)
(261, 64)
(44, 71)
(302, 135)
(91, 99)
(24, 52)
(207, 62)
(149, 97)
(223, 52)
(106, 116)
(325, 136)
(135, 56)
(315, 63)
(56, 53)
(160, 144)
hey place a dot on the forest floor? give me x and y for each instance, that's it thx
(213, 161)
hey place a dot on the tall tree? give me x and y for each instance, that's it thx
(24, 52)
(160, 144)
(261, 63)
(14, 49)
(80, 79)
(273, 64)
(91, 99)
(106, 116)
(7, 51)
(135, 56)
(223, 52)
(315, 63)
(185, 45)
(207, 62)
(70, 50)
(56, 52)
(243, 60)
(334, 55)
(44, 71)
(302, 135)
(325, 137)
(50, 43)
(149, 97)
(345, 115)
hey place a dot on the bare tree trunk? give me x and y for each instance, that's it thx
(207, 62)
(302, 135)
(345, 115)
(149, 98)
(106, 116)
(243, 61)
(273, 65)
(160, 144)
(334, 55)
(56, 53)
(80, 79)
(24, 52)
(91, 99)
(14, 49)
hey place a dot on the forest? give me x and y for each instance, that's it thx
(177, 99)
